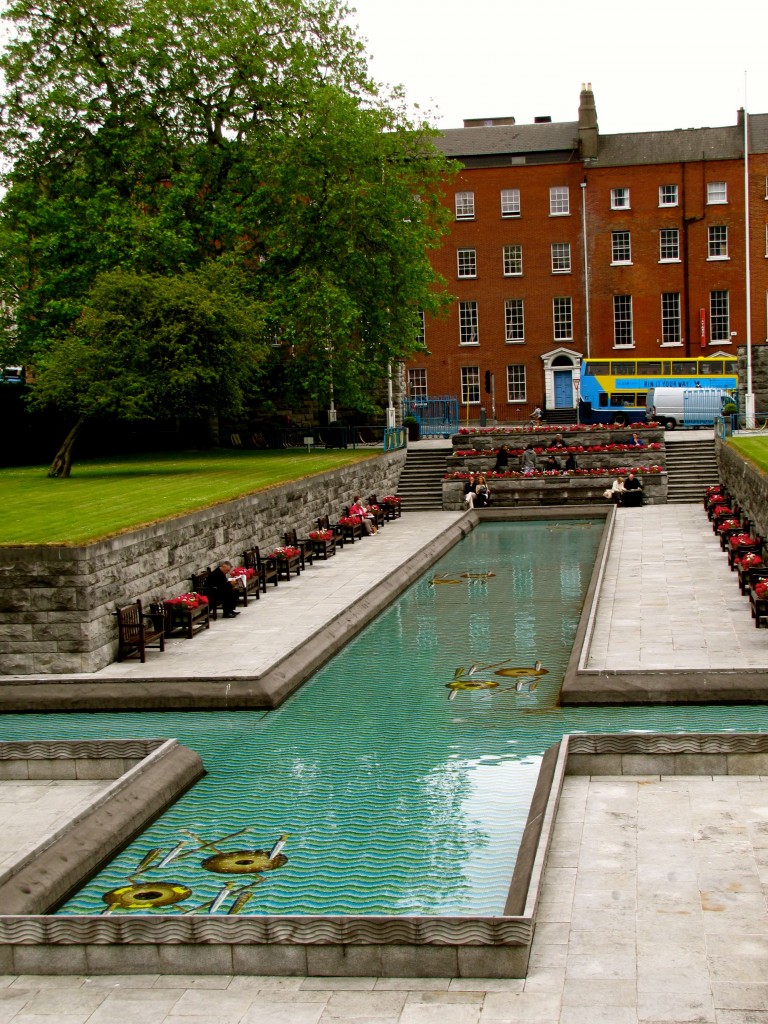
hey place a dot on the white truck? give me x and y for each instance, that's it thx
(686, 407)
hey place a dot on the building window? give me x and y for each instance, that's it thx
(622, 320)
(670, 318)
(717, 242)
(562, 315)
(561, 257)
(512, 258)
(619, 198)
(470, 385)
(514, 325)
(468, 323)
(465, 206)
(417, 383)
(667, 195)
(510, 202)
(621, 251)
(669, 245)
(719, 319)
(467, 261)
(559, 201)
(421, 335)
(717, 192)
(516, 383)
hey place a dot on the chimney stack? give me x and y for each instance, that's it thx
(588, 130)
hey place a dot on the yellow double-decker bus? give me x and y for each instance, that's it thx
(614, 390)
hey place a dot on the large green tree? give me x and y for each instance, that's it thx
(157, 136)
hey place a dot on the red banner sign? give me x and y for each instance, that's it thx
(703, 327)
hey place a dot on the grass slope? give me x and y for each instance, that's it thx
(108, 496)
(753, 448)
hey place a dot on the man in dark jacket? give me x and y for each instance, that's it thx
(220, 590)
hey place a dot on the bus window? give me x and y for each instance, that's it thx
(623, 368)
(602, 398)
(708, 367)
(684, 366)
(595, 369)
(731, 366)
(640, 399)
(650, 367)
(623, 401)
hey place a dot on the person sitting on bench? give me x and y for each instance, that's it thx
(221, 591)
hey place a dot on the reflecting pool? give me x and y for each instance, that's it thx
(398, 779)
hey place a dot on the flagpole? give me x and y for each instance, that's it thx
(749, 398)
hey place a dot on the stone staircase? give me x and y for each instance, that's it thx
(421, 481)
(691, 466)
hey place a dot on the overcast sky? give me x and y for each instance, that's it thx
(656, 64)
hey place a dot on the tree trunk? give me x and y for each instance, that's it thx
(62, 462)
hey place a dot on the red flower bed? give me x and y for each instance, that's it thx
(283, 554)
(320, 534)
(750, 560)
(741, 538)
(728, 524)
(761, 589)
(192, 600)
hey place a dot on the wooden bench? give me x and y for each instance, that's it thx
(758, 606)
(378, 511)
(136, 632)
(352, 530)
(324, 523)
(291, 540)
(266, 568)
(179, 616)
(324, 548)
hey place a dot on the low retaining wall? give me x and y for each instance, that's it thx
(508, 492)
(541, 437)
(57, 602)
(745, 482)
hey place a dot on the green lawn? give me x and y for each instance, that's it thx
(753, 448)
(108, 496)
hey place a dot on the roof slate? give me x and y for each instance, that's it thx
(678, 146)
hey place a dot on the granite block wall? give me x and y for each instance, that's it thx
(57, 602)
(746, 483)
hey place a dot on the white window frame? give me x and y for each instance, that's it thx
(717, 193)
(468, 323)
(417, 382)
(722, 336)
(421, 337)
(662, 257)
(466, 263)
(561, 257)
(620, 199)
(517, 384)
(559, 201)
(671, 322)
(510, 202)
(464, 205)
(622, 316)
(562, 318)
(514, 321)
(470, 385)
(620, 247)
(668, 195)
(512, 260)
(717, 241)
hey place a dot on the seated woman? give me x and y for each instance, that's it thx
(482, 494)
(616, 493)
(570, 462)
(368, 519)
(633, 492)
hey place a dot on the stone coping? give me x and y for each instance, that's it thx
(59, 865)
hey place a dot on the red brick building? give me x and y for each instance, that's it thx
(568, 243)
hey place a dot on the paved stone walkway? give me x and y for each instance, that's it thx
(669, 600)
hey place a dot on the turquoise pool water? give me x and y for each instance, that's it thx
(398, 779)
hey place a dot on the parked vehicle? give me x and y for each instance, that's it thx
(685, 407)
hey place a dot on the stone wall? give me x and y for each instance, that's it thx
(57, 602)
(746, 483)
(759, 376)
(508, 492)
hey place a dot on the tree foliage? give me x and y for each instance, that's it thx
(152, 139)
